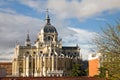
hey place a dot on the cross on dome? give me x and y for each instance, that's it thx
(47, 17)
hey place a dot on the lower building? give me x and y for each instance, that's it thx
(94, 64)
(5, 69)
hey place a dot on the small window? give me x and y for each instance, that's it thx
(20, 64)
(27, 52)
(34, 52)
(41, 51)
(40, 45)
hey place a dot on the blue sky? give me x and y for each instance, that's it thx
(77, 21)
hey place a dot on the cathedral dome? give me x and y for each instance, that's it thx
(48, 28)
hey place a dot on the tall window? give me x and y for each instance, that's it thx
(30, 65)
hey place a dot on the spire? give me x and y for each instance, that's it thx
(47, 17)
(28, 39)
(27, 43)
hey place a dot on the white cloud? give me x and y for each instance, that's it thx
(74, 8)
(84, 8)
(6, 56)
(7, 10)
(81, 37)
(39, 5)
(14, 27)
(101, 19)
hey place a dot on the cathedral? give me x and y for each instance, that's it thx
(46, 57)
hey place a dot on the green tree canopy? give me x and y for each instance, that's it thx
(76, 70)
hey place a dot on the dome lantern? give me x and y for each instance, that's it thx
(48, 28)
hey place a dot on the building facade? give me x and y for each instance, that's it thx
(94, 64)
(5, 69)
(47, 57)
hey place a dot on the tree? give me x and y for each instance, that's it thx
(108, 44)
(102, 72)
(76, 70)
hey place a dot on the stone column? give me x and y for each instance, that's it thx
(38, 65)
(41, 66)
(44, 65)
(48, 65)
(27, 66)
(49, 60)
(56, 63)
(24, 66)
(34, 65)
(52, 63)
(17, 68)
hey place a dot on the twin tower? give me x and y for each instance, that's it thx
(47, 57)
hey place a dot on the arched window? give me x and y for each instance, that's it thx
(49, 38)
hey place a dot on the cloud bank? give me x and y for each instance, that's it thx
(80, 9)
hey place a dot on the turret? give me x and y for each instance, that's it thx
(27, 42)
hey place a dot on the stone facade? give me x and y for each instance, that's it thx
(47, 57)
